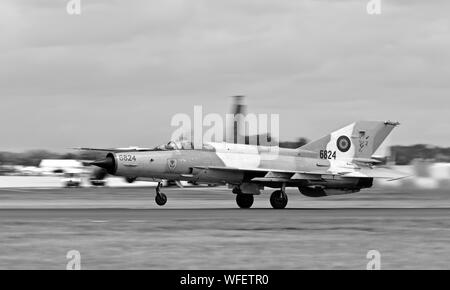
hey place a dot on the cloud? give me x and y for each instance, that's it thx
(314, 62)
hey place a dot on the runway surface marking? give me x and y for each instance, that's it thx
(16, 190)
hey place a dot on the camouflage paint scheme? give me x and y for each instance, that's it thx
(338, 163)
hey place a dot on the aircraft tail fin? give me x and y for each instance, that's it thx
(359, 140)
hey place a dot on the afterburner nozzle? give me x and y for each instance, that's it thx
(109, 164)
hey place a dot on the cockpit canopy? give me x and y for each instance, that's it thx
(181, 145)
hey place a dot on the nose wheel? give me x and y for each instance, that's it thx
(279, 199)
(161, 198)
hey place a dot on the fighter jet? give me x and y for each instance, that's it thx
(339, 163)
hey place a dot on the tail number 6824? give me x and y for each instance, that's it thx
(325, 154)
(127, 158)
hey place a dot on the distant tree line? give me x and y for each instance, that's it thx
(262, 139)
(403, 155)
(294, 144)
(34, 157)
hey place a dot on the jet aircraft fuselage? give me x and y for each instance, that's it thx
(338, 163)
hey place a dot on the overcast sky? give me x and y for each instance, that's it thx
(116, 74)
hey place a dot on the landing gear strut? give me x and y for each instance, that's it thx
(161, 198)
(279, 199)
(244, 200)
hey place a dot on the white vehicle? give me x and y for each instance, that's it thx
(59, 167)
(72, 178)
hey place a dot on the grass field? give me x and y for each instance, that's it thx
(201, 229)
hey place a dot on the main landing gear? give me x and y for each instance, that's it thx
(161, 198)
(279, 199)
(244, 200)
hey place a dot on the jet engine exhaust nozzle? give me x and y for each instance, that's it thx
(109, 164)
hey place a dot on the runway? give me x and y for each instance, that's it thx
(201, 228)
(209, 198)
(148, 215)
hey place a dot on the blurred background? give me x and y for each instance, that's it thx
(115, 75)
(427, 165)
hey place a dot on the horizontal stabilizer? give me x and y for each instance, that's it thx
(379, 172)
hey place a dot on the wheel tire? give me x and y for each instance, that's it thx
(278, 199)
(245, 200)
(161, 199)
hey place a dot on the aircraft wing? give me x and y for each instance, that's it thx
(293, 176)
(116, 150)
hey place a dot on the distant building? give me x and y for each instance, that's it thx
(59, 166)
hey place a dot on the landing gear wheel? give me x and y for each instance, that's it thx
(244, 200)
(161, 199)
(278, 199)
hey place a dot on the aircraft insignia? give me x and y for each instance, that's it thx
(344, 143)
(172, 164)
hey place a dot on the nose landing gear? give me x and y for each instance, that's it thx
(161, 198)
